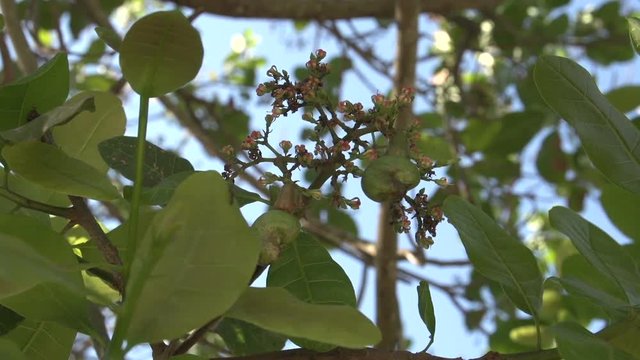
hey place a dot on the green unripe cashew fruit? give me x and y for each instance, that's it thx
(276, 229)
(389, 178)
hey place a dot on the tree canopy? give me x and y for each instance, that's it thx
(483, 114)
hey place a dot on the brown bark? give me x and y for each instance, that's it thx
(377, 354)
(325, 9)
(387, 311)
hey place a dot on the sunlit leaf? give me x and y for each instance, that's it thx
(48, 301)
(80, 137)
(10, 350)
(35, 94)
(194, 261)
(160, 53)
(23, 268)
(48, 166)
(34, 129)
(120, 154)
(497, 255)
(275, 309)
(606, 255)
(608, 137)
(42, 340)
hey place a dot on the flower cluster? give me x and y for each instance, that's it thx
(342, 136)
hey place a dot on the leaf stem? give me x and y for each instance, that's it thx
(115, 347)
(137, 185)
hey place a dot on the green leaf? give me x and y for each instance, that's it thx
(48, 301)
(10, 350)
(244, 197)
(624, 335)
(606, 255)
(120, 154)
(109, 36)
(609, 303)
(34, 129)
(41, 91)
(42, 340)
(517, 129)
(577, 343)
(497, 255)
(552, 162)
(80, 137)
(274, 308)
(162, 192)
(634, 33)
(425, 309)
(608, 137)
(9, 320)
(621, 208)
(23, 268)
(48, 166)
(160, 53)
(437, 148)
(305, 268)
(625, 99)
(194, 261)
(244, 338)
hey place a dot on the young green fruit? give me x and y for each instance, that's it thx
(276, 229)
(389, 178)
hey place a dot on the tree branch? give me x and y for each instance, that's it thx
(377, 354)
(325, 9)
(387, 311)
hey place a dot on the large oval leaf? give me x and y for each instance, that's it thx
(160, 53)
(23, 268)
(34, 129)
(120, 153)
(195, 260)
(35, 94)
(80, 137)
(10, 350)
(48, 166)
(497, 255)
(305, 268)
(48, 301)
(606, 255)
(277, 310)
(42, 340)
(608, 137)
